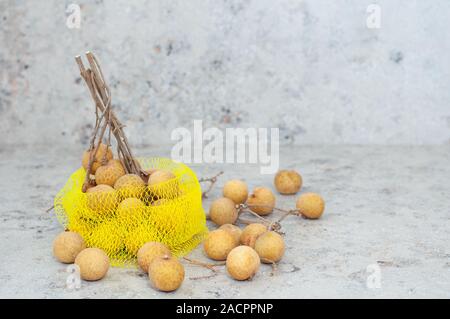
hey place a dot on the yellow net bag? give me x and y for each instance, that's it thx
(121, 221)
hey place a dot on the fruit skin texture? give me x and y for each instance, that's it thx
(108, 174)
(93, 263)
(130, 185)
(223, 211)
(218, 244)
(149, 251)
(67, 246)
(251, 233)
(103, 148)
(166, 190)
(117, 163)
(236, 190)
(288, 182)
(102, 199)
(270, 247)
(242, 263)
(310, 205)
(234, 231)
(264, 197)
(166, 273)
(160, 176)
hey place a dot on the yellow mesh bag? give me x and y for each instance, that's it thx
(121, 221)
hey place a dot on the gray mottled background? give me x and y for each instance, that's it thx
(311, 68)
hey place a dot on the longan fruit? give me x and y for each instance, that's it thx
(130, 185)
(166, 273)
(223, 211)
(117, 163)
(108, 174)
(218, 244)
(93, 263)
(149, 251)
(234, 231)
(150, 171)
(236, 190)
(163, 184)
(130, 210)
(270, 247)
(98, 160)
(251, 233)
(102, 199)
(67, 245)
(242, 263)
(159, 202)
(288, 182)
(310, 205)
(261, 201)
(160, 176)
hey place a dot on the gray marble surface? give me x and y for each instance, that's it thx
(388, 206)
(311, 68)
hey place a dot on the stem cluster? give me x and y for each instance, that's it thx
(105, 120)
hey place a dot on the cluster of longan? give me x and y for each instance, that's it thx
(244, 250)
(69, 247)
(111, 184)
(165, 272)
(122, 198)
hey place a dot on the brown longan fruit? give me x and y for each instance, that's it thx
(218, 244)
(242, 263)
(288, 182)
(160, 176)
(130, 185)
(251, 233)
(98, 160)
(261, 201)
(108, 174)
(236, 190)
(234, 231)
(117, 163)
(150, 171)
(223, 211)
(149, 251)
(270, 247)
(166, 273)
(310, 205)
(159, 202)
(93, 263)
(102, 199)
(67, 245)
(159, 185)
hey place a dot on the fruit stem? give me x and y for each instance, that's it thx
(101, 95)
(203, 264)
(273, 264)
(212, 180)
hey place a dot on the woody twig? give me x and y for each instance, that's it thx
(105, 119)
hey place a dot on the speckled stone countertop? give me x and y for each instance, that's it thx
(385, 206)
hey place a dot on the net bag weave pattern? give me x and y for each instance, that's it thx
(121, 221)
